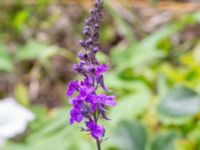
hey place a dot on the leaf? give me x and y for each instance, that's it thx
(51, 127)
(180, 103)
(21, 94)
(162, 85)
(130, 136)
(133, 55)
(165, 141)
(55, 134)
(20, 19)
(107, 33)
(123, 27)
(34, 50)
(13, 146)
(51, 143)
(115, 82)
(185, 144)
(6, 63)
(194, 134)
(130, 106)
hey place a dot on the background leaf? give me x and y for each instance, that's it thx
(165, 141)
(181, 103)
(130, 106)
(130, 136)
(6, 63)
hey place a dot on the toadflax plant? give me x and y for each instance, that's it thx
(87, 104)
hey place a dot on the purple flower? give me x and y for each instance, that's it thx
(103, 99)
(87, 104)
(100, 81)
(73, 86)
(101, 69)
(75, 116)
(96, 131)
(106, 100)
(87, 82)
(77, 102)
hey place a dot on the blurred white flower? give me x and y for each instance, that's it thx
(13, 119)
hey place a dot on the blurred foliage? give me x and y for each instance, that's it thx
(155, 76)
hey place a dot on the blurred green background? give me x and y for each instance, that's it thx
(153, 51)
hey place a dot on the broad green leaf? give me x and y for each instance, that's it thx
(130, 106)
(130, 136)
(165, 141)
(180, 102)
(6, 63)
(179, 105)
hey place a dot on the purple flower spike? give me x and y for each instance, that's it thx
(86, 101)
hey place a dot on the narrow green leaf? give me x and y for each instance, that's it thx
(6, 63)
(123, 27)
(32, 50)
(21, 94)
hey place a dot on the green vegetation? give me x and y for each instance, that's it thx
(155, 75)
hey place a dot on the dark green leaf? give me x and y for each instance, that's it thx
(130, 136)
(165, 141)
(180, 102)
(132, 105)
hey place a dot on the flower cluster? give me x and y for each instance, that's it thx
(87, 103)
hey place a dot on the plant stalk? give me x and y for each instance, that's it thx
(97, 140)
(98, 144)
